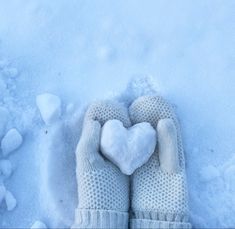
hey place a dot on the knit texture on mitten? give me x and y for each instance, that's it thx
(103, 191)
(158, 198)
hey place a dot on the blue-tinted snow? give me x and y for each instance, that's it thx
(87, 50)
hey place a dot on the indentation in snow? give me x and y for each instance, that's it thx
(3, 120)
(5, 168)
(2, 193)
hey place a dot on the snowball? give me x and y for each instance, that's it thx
(3, 120)
(11, 141)
(5, 168)
(10, 201)
(209, 173)
(2, 193)
(49, 106)
(38, 225)
(129, 148)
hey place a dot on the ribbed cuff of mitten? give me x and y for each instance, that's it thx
(100, 219)
(154, 224)
(159, 220)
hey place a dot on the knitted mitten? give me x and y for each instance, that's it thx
(158, 195)
(103, 191)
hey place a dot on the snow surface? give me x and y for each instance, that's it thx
(5, 169)
(87, 50)
(3, 115)
(129, 148)
(2, 193)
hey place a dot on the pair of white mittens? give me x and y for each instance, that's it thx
(158, 194)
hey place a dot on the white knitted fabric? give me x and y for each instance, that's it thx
(103, 191)
(158, 198)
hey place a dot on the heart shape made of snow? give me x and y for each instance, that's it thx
(129, 148)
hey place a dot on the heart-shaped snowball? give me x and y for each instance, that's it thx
(129, 148)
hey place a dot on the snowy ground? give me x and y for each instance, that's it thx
(87, 50)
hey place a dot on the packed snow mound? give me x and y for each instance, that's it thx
(50, 107)
(56, 152)
(10, 201)
(7, 198)
(11, 141)
(38, 225)
(129, 148)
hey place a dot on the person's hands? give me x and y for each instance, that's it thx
(158, 188)
(103, 191)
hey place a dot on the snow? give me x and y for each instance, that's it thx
(209, 173)
(129, 148)
(3, 63)
(10, 201)
(11, 141)
(57, 175)
(3, 119)
(38, 225)
(10, 72)
(3, 87)
(50, 107)
(2, 193)
(90, 50)
(5, 168)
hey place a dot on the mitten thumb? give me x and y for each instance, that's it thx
(88, 146)
(168, 146)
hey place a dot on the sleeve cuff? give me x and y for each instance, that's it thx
(154, 224)
(100, 219)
